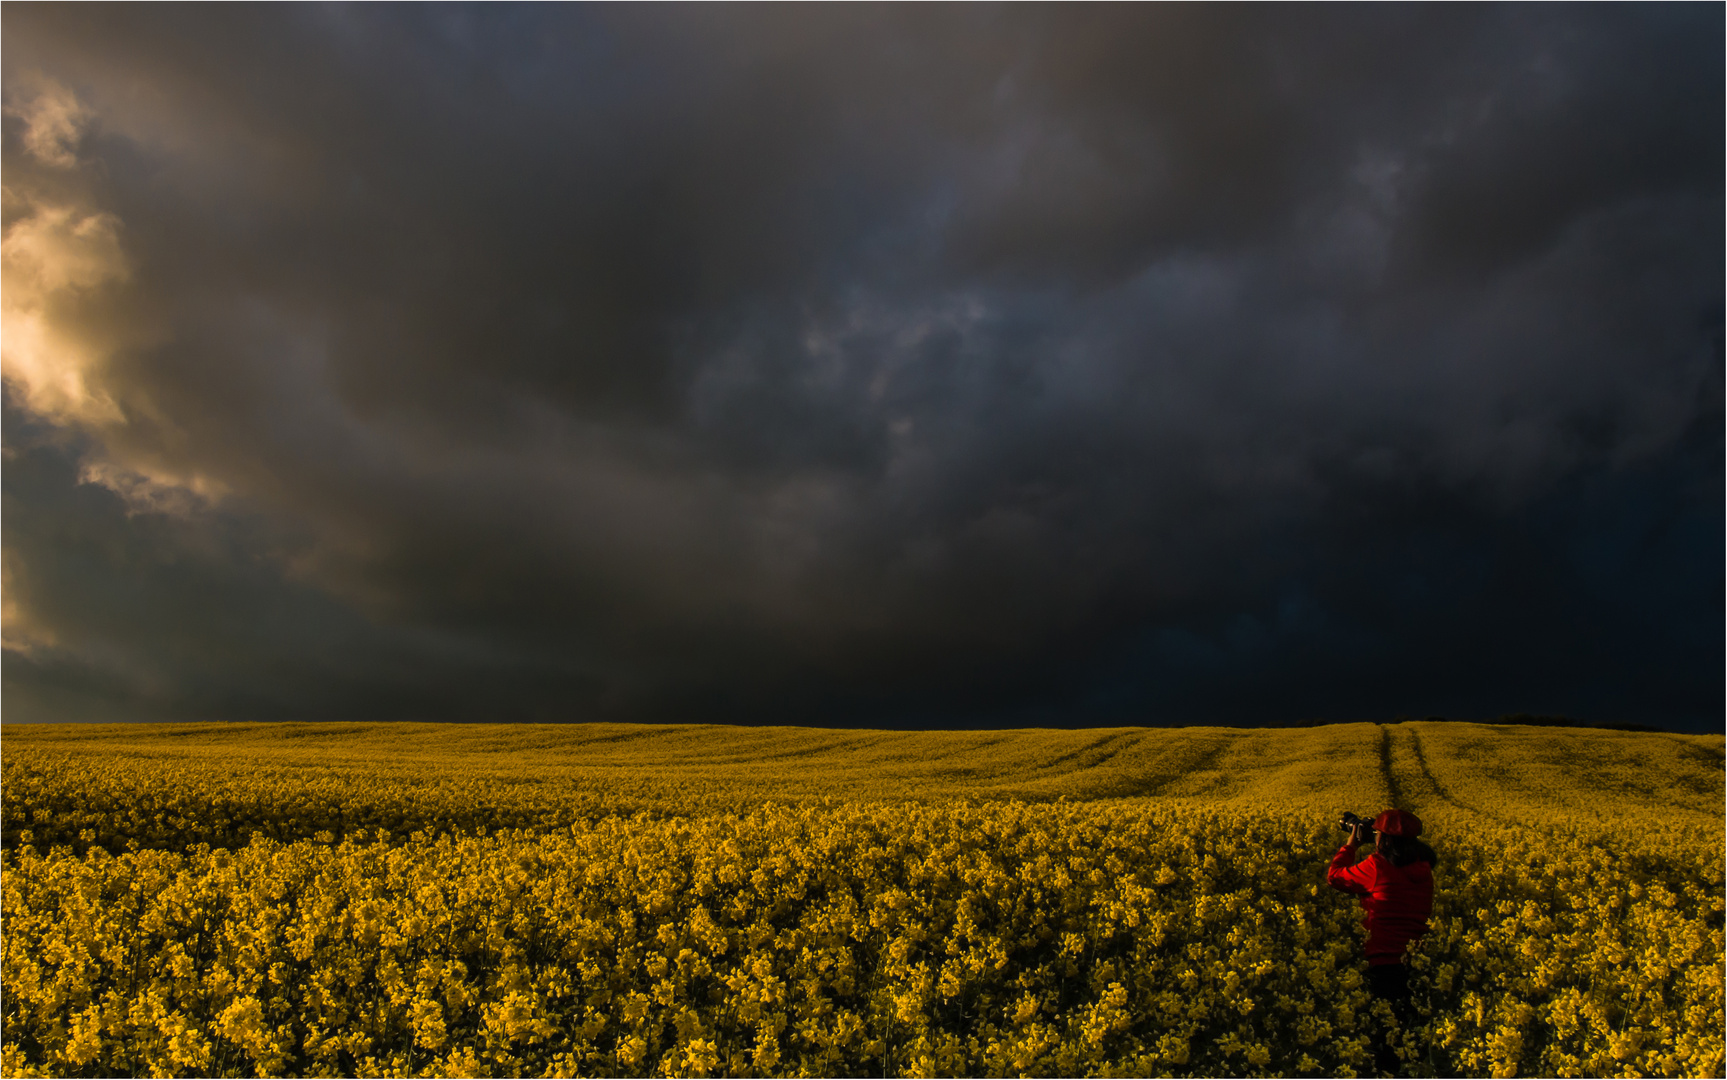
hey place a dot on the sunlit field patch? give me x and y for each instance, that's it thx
(548, 900)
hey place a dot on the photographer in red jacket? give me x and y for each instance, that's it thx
(1395, 884)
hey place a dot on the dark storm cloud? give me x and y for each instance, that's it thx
(863, 365)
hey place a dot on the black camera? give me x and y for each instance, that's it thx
(1350, 821)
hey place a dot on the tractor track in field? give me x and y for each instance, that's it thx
(1149, 786)
(1438, 788)
(1707, 754)
(1113, 742)
(1392, 788)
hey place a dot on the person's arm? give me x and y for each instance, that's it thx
(1345, 873)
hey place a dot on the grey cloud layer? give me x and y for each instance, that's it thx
(864, 364)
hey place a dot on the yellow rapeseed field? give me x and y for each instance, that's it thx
(592, 899)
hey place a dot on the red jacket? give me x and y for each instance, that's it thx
(1398, 900)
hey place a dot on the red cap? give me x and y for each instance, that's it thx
(1397, 823)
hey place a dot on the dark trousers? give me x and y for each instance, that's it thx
(1390, 983)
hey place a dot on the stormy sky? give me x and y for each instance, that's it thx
(955, 366)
